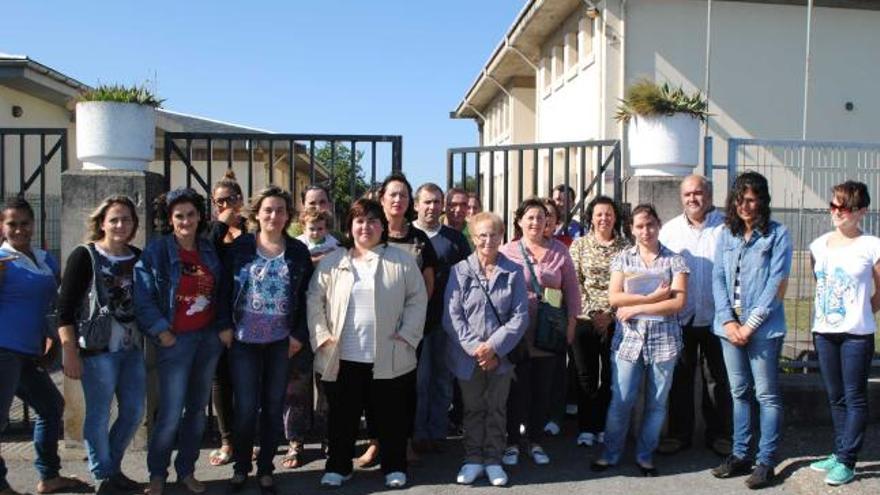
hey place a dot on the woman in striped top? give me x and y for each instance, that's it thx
(752, 263)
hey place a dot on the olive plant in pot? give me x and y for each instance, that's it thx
(116, 127)
(664, 128)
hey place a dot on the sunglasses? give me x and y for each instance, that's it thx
(836, 207)
(228, 200)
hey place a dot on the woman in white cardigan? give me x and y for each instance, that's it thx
(366, 312)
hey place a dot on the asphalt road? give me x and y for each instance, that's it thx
(684, 474)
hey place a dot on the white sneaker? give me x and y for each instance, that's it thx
(586, 439)
(600, 437)
(496, 475)
(511, 456)
(469, 473)
(334, 480)
(551, 428)
(396, 479)
(539, 456)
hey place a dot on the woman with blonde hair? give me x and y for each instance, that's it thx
(101, 342)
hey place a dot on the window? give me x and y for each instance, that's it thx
(571, 51)
(546, 74)
(585, 39)
(558, 67)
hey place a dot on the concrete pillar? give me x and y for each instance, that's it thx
(662, 192)
(81, 192)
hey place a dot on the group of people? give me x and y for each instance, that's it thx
(416, 307)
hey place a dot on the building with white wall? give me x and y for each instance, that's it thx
(561, 68)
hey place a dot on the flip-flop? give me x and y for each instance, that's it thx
(67, 484)
(219, 457)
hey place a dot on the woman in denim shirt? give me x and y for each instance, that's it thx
(752, 263)
(175, 294)
(482, 333)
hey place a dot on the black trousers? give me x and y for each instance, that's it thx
(702, 349)
(221, 393)
(389, 401)
(529, 400)
(591, 353)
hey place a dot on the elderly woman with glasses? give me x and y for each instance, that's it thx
(487, 315)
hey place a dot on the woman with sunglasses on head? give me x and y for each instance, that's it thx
(752, 264)
(175, 297)
(846, 263)
(227, 226)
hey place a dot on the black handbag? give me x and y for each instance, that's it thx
(95, 330)
(520, 351)
(552, 322)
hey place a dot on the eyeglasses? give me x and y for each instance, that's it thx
(228, 200)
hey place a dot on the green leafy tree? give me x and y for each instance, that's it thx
(470, 183)
(343, 175)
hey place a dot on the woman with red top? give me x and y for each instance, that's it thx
(176, 282)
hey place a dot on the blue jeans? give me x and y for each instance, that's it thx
(753, 371)
(626, 379)
(186, 370)
(259, 381)
(104, 375)
(845, 363)
(433, 388)
(23, 378)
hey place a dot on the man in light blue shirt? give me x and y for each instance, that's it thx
(694, 234)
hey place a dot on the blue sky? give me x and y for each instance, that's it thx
(320, 66)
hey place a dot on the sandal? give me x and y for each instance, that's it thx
(60, 484)
(221, 456)
(291, 459)
(371, 456)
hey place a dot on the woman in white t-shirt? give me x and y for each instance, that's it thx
(845, 264)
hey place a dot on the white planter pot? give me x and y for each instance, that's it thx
(664, 146)
(115, 136)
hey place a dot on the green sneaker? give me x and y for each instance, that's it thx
(825, 465)
(840, 475)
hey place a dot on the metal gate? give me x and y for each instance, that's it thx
(801, 174)
(588, 167)
(35, 158)
(288, 160)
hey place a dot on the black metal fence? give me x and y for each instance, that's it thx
(587, 167)
(31, 162)
(288, 160)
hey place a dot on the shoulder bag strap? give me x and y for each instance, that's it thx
(486, 292)
(94, 295)
(536, 287)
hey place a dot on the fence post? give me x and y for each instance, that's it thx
(732, 145)
(707, 157)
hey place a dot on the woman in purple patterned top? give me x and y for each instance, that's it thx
(529, 400)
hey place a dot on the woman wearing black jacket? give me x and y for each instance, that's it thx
(262, 312)
(117, 368)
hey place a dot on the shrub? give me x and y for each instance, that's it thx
(122, 94)
(646, 98)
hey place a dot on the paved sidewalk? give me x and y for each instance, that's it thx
(683, 474)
